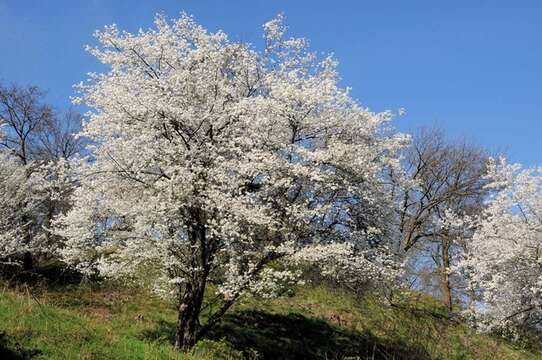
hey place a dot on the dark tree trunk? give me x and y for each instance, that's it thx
(192, 293)
(189, 310)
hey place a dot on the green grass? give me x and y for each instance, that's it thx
(317, 323)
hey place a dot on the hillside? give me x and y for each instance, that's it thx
(315, 323)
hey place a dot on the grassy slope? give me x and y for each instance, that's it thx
(78, 323)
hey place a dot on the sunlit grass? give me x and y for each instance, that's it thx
(79, 322)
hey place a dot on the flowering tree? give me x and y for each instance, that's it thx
(212, 161)
(505, 254)
(34, 147)
(14, 209)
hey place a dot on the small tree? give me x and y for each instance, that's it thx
(212, 161)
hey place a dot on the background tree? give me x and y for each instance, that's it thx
(16, 203)
(505, 253)
(447, 180)
(212, 161)
(35, 142)
(23, 117)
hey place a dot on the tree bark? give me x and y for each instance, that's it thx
(191, 297)
(189, 310)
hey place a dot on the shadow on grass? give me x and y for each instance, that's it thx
(294, 336)
(15, 351)
(163, 332)
(52, 275)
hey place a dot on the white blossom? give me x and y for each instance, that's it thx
(212, 160)
(504, 255)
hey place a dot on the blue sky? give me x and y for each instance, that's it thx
(472, 67)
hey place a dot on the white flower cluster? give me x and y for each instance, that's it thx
(15, 204)
(505, 254)
(26, 194)
(354, 268)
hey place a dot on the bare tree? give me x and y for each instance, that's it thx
(23, 116)
(57, 140)
(448, 176)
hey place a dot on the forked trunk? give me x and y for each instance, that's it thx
(189, 310)
(191, 294)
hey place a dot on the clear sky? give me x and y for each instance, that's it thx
(471, 67)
